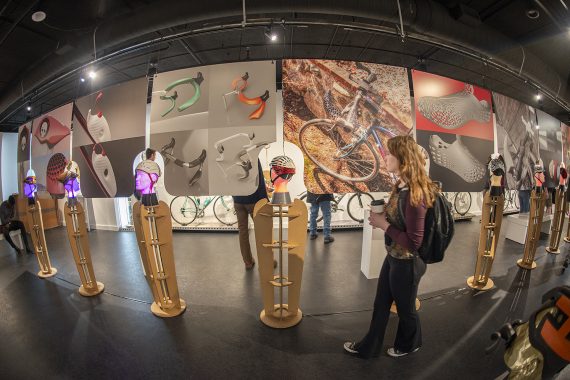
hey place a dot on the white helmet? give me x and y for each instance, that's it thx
(149, 166)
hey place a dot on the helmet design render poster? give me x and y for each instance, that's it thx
(108, 132)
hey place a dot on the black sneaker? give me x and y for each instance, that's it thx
(312, 237)
(397, 353)
(329, 239)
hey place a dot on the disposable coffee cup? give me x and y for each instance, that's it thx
(377, 206)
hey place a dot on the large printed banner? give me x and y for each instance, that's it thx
(565, 144)
(454, 124)
(550, 144)
(210, 123)
(24, 154)
(51, 139)
(341, 113)
(516, 140)
(109, 131)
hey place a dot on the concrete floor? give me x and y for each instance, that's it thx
(48, 331)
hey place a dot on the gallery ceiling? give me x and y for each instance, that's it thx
(516, 47)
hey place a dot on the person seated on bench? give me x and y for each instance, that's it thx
(7, 211)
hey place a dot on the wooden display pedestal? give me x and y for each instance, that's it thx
(557, 221)
(77, 234)
(153, 228)
(537, 200)
(39, 240)
(491, 219)
(280, 315)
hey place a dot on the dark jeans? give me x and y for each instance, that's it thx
(399, 279)
(243, 212)
(524, 200)
(13, 226)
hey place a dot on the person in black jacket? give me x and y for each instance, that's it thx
(244, 206)
(322, 201)
(7, 211)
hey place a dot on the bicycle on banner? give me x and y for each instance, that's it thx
(185, 209)
(345, 152)
(461, 201)
(357, 203)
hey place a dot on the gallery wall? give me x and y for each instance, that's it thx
(211, 124)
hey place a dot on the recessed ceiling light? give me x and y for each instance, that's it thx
(538, 96)
(92, 74)
(82, 79)
(28, 108)
(39, 16)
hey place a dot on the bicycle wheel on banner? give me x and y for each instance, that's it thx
(304, 199)
(462, 203)
(356, 205)
(332, 149)
(224, 210)
(183, 210)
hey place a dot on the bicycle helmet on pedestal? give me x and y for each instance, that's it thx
(281, 170)
(146, 176)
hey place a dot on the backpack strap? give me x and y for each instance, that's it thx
(402, 198)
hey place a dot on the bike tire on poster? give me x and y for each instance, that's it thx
(51, 139)
(109, 131)
(242, 120)
(454, 124)
(516, 140)
(178, 128)
(315, 92)
(23, 157)
(550, 143)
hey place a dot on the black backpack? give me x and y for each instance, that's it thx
(439, 228)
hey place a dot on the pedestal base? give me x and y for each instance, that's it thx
(554, 252)
(167, 313)
(567, 240)
(53, 271)
(525, 266)
(475, 285)
(394, 309)
(276, 321)
(91, 292)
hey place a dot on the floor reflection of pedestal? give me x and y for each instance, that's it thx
(516, 226)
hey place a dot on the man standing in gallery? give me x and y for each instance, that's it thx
(7, 212)
(322, 201)
(244, 207)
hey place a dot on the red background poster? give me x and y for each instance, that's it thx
(431, 85)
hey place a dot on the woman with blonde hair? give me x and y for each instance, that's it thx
(403, 268)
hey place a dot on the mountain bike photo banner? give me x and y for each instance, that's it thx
(51, 139)
(516, 140)
(24, 146)
(550, 144)
(340, 114)
(454, 124)
(108, 132)
(565, 143)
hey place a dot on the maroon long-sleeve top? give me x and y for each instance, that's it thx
(410, 239)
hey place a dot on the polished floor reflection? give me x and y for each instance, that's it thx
(49, 331)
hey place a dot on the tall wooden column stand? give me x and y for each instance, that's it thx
(77, 233)
(39, 239)
(491, 219)
(153, 228)
(280, 314)
(557, 221)
(537, 200)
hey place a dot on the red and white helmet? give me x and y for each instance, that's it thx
(282, 166)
